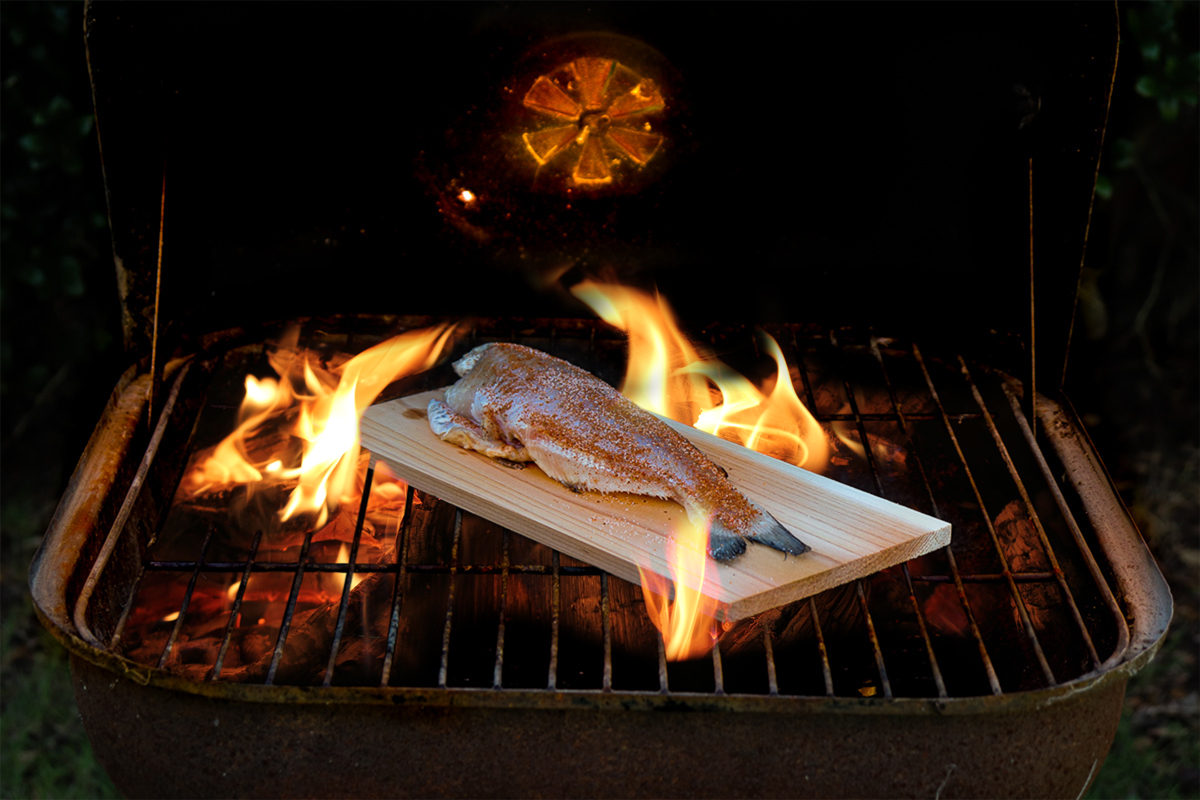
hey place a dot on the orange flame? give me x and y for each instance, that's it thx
(329, 407)
(777, 424)
(658, 350)
(689, 627)
(669, 375)
(338, 579)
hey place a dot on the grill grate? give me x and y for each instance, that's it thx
(1016, 602)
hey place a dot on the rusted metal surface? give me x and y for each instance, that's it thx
(99, 481)
(461, 740)
(157, 743)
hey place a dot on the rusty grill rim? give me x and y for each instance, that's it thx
(1130, 653)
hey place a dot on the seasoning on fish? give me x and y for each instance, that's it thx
(519, 404)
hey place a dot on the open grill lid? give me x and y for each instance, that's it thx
(310, 152)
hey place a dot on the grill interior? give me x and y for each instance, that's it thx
(416, 593)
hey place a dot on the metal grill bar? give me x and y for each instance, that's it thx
(769, 652)
(826, 671)
(398, 589)
(1018, 577)
(1016, 595)
(236, 611)
(933, 663)
(1076, 533)
(426, 569)
(955, 576)
(1033, 515)
(349, 579)
(934, 667)
(290, 610)
(118, 526)
(870, 458)
(663, 686)
(718, 671)
(445, 660)
(879, 665)
(498, 669)
(555, 606)
(822, 381)
(606, 627)
(187, 599)
(989, 668)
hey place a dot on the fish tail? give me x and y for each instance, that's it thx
(724, 544)
(728, 533)
(765, 529)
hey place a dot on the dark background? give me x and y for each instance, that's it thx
(862, 164)
(805, 145)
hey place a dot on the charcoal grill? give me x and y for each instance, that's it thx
(494, 666)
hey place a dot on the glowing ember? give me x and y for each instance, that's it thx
(338, 579)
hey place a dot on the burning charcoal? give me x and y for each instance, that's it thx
(1019, 540)
(255, 646)
(360, 661)
(198, 651)
(1023, 548)
(192, 672)
(310, 637)
(149, 649)
(838, 611)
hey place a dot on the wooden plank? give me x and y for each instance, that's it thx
(852, 534)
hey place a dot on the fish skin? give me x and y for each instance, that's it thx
(516, 403)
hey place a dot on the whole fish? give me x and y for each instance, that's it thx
(516, 403)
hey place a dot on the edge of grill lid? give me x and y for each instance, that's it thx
(869, 155)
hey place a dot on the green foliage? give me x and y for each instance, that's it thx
(1167, 74)
(58, 328)
(58, 302)
(1170, 76)
(45, 752)
(1152, 748)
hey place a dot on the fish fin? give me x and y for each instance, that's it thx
(768, 530)
(466, 433)
(724, 544)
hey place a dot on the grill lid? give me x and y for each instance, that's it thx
(810, 140)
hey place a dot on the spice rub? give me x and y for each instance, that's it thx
(519, 404)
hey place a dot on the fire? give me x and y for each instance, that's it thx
(337, 579)
(688, 625)
(658, 351)
(327, 403)
(671, 376)
(777, 424)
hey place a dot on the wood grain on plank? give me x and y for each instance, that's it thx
(852, 534)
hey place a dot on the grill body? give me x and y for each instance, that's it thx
(1008, 714)
(157, 742)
